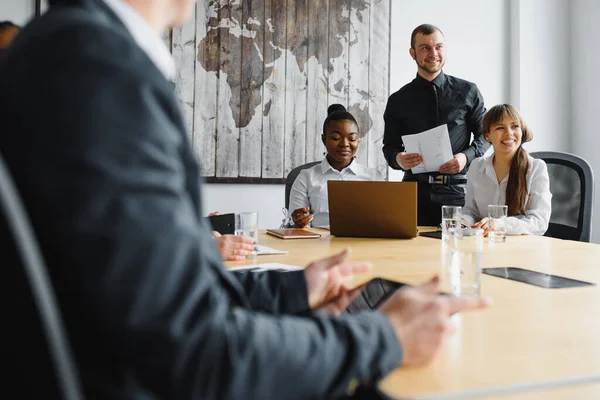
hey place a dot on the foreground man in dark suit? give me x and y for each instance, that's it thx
(97, 147)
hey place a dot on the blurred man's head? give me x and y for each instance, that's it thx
(160, 14)
(8, 31)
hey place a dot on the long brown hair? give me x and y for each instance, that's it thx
(516, 188)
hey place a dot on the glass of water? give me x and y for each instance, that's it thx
(451, 216)
(464, 264)
(497, 221)
(246, 224)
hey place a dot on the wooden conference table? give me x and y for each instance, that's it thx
(530, 340)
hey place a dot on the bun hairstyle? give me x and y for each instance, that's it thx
(337, 112)
(516, 188)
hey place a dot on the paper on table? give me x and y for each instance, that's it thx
(267, 267)
(433, 145)
(263, 250)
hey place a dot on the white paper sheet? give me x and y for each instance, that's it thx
(264, 250)
(267, 267)
(433, 145)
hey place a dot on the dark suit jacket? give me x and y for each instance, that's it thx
(94, 139)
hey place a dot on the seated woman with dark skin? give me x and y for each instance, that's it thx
(308, 196)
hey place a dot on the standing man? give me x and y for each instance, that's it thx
(96, 144)
(432, 99)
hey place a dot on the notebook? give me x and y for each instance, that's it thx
(372, 209)
(293, 233)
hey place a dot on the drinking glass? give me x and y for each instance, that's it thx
(246, 224)
(451, 216)
(464, 264)
(497, 219)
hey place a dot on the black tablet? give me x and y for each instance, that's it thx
(534, 278)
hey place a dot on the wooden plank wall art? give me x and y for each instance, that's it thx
(255, 78)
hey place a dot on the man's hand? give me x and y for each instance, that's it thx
(338, 305)
(409, 160)
(329, 281)
(421, 319)
(302, 217)
(455, 165)
(234, 248)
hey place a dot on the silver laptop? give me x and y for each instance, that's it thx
(372, 209)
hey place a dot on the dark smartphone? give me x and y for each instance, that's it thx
(373, 295)
(534, 278)
(223, 223)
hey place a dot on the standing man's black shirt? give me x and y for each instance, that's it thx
(422, 105)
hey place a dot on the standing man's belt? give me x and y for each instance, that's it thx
(447, 180)
(438, 179)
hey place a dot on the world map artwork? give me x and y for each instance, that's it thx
(256, 78)
(252, 36)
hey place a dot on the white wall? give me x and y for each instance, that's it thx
(585, 86)
(541, 43)
(17, 11)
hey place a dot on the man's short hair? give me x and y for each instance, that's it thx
(424, 29)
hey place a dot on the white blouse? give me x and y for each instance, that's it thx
(310, 187)
(483, 189)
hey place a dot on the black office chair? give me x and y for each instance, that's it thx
(33, 342)
(572, 188)
(289, 181)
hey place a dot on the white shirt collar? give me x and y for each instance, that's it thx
(145, 37)
(353, 167)
(487, 167)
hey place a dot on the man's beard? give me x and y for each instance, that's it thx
(430, 70)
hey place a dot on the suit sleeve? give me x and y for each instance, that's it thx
(138, 273)
(479, 145)
(275, 292)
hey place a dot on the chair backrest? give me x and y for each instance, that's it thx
(572, 188)
(289, 181)
(33, 342)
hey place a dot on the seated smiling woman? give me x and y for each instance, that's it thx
(509, 177)
(309, 191)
